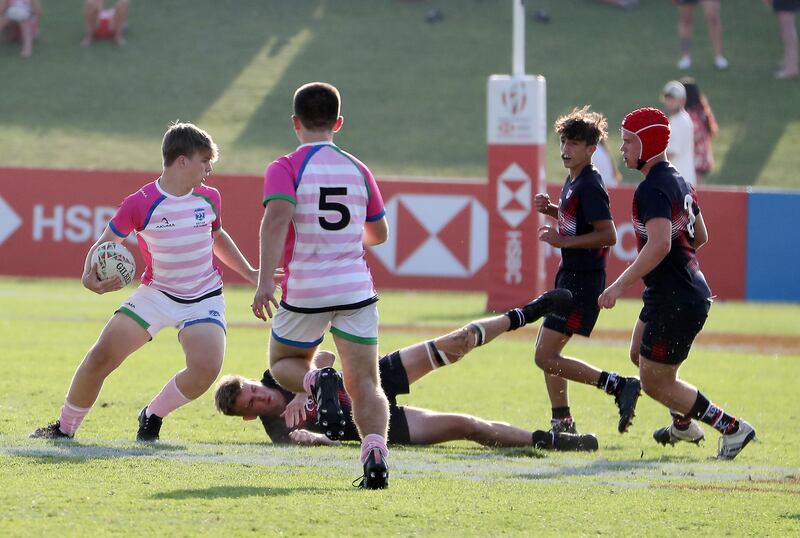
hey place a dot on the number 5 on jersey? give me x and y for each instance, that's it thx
(325, 205)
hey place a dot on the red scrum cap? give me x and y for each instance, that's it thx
(651, 127)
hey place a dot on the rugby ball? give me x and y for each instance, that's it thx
(18, 12)
(113, 259)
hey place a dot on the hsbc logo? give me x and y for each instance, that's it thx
(514, 98)
(514, 195)
(437, 235)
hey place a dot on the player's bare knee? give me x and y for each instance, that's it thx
(651, 385)
(472, 428)
(451, 347)
(546, 360)
(465, 340)
(101, 360)
(205, 370)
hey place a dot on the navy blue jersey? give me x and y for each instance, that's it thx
(583, 200)
(665, 194)
(277, 429)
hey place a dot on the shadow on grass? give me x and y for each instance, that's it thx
(474, 452)
(231, 492)
(60, 451)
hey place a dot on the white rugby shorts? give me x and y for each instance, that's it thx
(153, 310)
(308, 330)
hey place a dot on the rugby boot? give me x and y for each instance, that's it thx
(671, 435)
(330, 417)
(51, 431)
(732, 443)
(557, 301)
(564, 442)
(149, 427)
(626, 400)
(563, 425)
(376, 471)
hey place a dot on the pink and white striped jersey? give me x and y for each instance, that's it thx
(334, 195)
(174, 235)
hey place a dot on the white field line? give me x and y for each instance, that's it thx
(412, 463)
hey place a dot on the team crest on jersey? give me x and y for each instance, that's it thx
(199, 217)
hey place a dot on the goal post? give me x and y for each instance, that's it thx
(516, 139)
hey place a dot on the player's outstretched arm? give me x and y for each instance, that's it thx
(659, 242)
(305, 437)
(226, 250)
(277, 215)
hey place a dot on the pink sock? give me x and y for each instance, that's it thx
(71, 417)
(370, 442)
(168, 400)
(309, 380)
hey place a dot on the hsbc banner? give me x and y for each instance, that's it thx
(516, 135)
(439, 236)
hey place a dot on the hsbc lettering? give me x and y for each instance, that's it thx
(513, 257)
(76, 224)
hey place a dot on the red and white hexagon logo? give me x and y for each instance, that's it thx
(435, 235)
(514, 195)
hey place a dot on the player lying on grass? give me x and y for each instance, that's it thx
(292, 418)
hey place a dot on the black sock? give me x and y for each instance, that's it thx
(517, 319)
(714, 416)
(560, 413)
(610, 382)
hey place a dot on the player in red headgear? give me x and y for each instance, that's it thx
(651, 128)
(669, 229)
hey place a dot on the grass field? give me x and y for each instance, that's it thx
(414, 93)
(218, 476)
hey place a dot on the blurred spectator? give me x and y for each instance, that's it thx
(685, 31)
(101, 23)
(680, 150)
(705, 127)
(785, 9)
(606, 165)
(19, 20)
